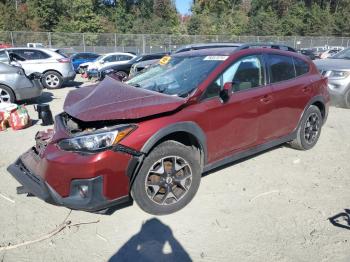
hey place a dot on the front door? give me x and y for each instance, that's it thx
(234, 125)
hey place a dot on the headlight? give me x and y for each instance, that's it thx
(108, 71)
(339, 74)
(97, 141)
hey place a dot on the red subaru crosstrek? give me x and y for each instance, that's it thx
(150, 139)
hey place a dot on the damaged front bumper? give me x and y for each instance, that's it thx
(85, 194)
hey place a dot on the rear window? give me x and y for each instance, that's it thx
(281, 68)
(62, 53)
(301, 67)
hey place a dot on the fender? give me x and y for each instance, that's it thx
(313, 100)
(189, 127)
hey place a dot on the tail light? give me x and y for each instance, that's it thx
(64, 60)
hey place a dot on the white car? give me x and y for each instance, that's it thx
(55, 66)
(330, 53)
(107, 59)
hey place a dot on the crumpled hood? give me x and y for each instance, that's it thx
(332, 64)
(114, 100)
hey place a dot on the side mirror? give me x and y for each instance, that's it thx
(102, 61)
(226, 91)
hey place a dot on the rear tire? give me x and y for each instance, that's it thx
(52, 80)
(168, 179)
(309, 129)
(6, 95)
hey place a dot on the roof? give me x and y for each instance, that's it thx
(208, 51)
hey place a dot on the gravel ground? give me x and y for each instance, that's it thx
(271, 207)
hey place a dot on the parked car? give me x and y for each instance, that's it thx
(329, 53)
(15, 85)
(80, 58)
(4, 45)
(318, 50)
(123, 70)
(106, 60)
(308, 53)
(337, 70)
(151, 139)
(56, 68)
(137, 68)
(36, 45)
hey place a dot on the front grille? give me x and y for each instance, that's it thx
(27, 172)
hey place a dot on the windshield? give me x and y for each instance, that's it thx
(345, 54)
(177, 75)
(100, 57)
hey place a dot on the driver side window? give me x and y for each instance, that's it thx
(246, 73)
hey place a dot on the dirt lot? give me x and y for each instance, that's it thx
(272, 207)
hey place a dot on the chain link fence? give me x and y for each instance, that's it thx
(151, 43)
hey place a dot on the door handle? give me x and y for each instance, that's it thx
(266, 99)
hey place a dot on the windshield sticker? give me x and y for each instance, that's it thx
(216, 58)
(164, 60)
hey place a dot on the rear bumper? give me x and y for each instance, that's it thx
(92, 201)
(70, 76)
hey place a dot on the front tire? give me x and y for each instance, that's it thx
(309, 129)
(168, 179)
(52, 80)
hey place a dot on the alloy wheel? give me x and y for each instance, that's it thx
(52, 80)
(312, 128)
(4, 96)
(168, 180)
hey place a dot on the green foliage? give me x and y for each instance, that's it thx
(80, 17)
(265, 22)
(45, 12)
(227, 17)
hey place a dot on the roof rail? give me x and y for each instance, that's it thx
(266, 45)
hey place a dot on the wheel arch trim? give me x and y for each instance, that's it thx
(312, 101)
(187, 127)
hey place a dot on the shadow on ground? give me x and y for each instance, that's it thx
(74, 83)
(341, 220)
(154, 242)
(45, 97)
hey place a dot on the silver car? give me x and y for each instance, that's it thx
(337, 69)
(15, 85)
(56, 68)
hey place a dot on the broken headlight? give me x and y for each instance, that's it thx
(96, 141)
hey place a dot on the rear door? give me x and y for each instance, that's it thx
(291, 92)
(234, 126)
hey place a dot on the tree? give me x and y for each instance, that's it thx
(80, 18)
(265, 22)
(45, 12)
